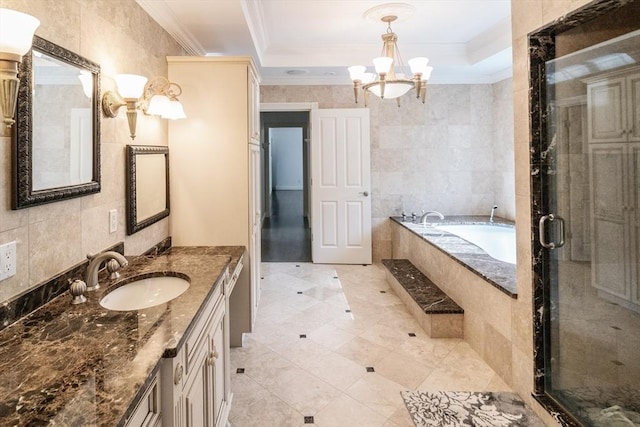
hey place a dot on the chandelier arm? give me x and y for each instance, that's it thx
(418, 84)
(356, 85)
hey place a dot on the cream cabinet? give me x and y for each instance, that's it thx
(613, 103)
(614, 168)
(213, 172)
(197, 391)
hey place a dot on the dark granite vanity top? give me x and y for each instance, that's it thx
(500, 274)
(85, 365)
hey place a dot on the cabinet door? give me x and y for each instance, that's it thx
(607, 111)
(633, 106)
(219, 368)
(195, 392)
(634, 219)
(254, 109)
(608, 187)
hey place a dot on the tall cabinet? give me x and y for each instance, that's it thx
(614, 151)
(215, 171)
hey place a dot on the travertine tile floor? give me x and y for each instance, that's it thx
(334, 346)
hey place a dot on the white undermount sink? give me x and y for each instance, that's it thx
(144, 293)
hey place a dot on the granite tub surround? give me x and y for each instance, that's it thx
(500, 274)
(86, 365)
(435, 311)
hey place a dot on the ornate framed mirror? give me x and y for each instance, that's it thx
(56, 141)
(147, 186)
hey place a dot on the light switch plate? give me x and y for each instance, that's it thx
(113, 221)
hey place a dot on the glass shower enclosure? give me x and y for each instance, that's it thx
(585, 164)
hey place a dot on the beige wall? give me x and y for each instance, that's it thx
(527, 15)
(122, 38)
(454, 154)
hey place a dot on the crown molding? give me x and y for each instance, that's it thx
(254, 17)
(163, 15)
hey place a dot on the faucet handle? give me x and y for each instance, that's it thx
(77, 289)
(112, 267)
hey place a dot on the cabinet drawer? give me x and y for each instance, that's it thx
(199, 332)
(233, 278)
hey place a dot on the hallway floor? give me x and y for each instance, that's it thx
(286, 235)
(334, 346)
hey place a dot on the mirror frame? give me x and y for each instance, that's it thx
(23, 195)
(133, 225)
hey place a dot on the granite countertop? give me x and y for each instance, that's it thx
(499, 274)
(85, 365)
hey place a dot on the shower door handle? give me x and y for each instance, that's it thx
(543, 228)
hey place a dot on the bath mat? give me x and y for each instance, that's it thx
(465, 408)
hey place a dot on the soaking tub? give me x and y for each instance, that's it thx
(499, 241)
(487, 249)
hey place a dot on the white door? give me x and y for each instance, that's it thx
(340, 186)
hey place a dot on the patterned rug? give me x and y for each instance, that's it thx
(465, 408)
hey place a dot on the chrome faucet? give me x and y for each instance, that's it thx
(94, 266)
(493, 209)
(423, 218)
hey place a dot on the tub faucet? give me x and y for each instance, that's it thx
(493, 209)
(94, 266)
(423, 218)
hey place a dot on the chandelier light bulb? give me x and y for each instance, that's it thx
(382, 64)
(418, 65)
(357, 72)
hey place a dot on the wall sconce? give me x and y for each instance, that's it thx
(16, 37)
(130, 89)
(154, 97)
(163, 99)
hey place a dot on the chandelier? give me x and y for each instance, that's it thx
(389, 81)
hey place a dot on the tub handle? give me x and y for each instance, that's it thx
(543, 228)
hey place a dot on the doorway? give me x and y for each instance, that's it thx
(286, 234)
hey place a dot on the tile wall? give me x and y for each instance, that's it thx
(526, 16)
(122, 38)
(454, 154)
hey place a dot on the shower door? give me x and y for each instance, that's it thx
(585, 86)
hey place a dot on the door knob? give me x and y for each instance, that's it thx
(364, 193)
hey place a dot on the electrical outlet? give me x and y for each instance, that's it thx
(8, 260)
(113, 221)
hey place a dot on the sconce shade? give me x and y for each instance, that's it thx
(16, 32)
(130, 86)
(158, 105)
(16, 38)
(175, 111)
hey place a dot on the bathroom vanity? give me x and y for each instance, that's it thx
(163, 365)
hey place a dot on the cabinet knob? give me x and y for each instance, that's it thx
(177, 375)
(211, 359)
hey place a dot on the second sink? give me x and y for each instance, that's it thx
(144, 293)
